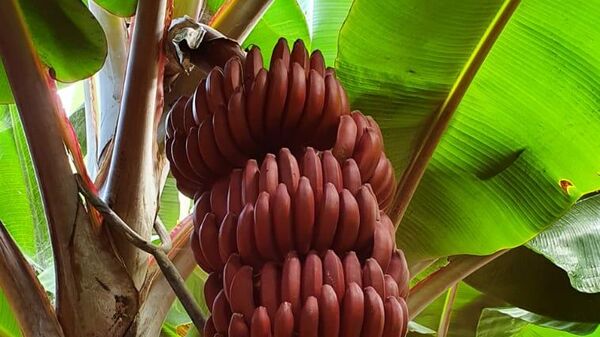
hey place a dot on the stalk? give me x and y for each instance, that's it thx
(236, 18)
(157, 293)
(106, 87)
(426, 291)
(447, 312)
(132, 183)
(25, 294)
(88, 275)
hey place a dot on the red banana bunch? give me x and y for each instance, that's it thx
(290, 192)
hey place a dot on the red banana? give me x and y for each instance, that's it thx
(329, 312)
(304, 215)
(242, 293)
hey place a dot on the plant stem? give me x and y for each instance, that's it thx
(132, 183)
(447, 312)
(157, 294)
(435, 284)
(191, 8)
(163, 234)
(418, 267)
(415, 170)
(107, 90)
(38, 110)
(166, 266)
(236, 18)
(25, 294)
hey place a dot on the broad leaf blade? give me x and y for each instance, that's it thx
(527, 280)
(169, 204)
(495, 179)
(62, 31)
(21, 206)
(324, 19)
(573, 244)
(8, 324)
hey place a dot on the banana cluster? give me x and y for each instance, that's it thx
(290, 191)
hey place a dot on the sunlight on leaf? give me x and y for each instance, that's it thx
(124, 8)
(324, 19)
(8, 324)
(523, 126)
(284, 18)
(20, 202)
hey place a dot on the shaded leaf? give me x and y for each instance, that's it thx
(528, 280)
(508, 322)
(466, 310)
(495, 179)
(123, 8)
(62, 31)
(573, 244)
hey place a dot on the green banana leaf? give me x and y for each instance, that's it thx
(122, 8)
(21, 208)
(573, 244)
(316, 22)
(213, 5)
(538, 331)
(521, 148)
(477, 314)
(324, 19)
(9, 327)
(515, 322)
(169, 204)
(177, 320)
(62, 31)
(529, 281)
(283, 18)
(465, 312)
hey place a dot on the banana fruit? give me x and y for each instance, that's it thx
(291, 190)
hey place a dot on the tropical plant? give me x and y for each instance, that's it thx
(488, 111)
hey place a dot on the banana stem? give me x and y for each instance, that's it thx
(133, 183)
(105, 88)
(236, 18)
(191, 8)
(25, 294)
(426, 291)
(157, 291)
(163, 234)
(167, 267)
(447, 312)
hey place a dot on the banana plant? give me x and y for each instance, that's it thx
(485, 114)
